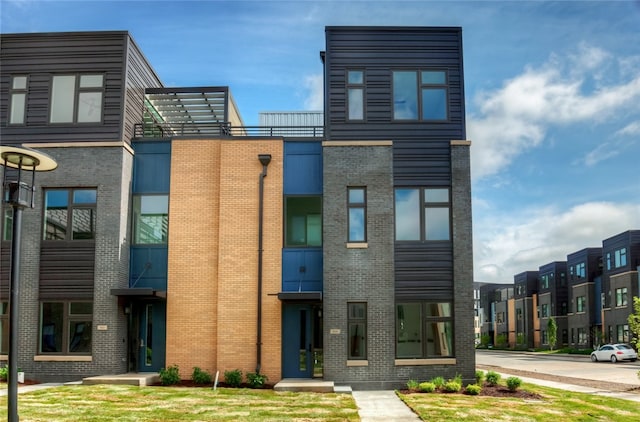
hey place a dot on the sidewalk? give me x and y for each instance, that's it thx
(382, 406)
(29, 388)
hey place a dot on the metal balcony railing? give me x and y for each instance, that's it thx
(164, 130)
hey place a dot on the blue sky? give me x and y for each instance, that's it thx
(552, 95)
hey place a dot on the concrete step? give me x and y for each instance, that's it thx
(140, 379)
(304, 384)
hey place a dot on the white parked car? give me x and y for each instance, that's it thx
(614, 353)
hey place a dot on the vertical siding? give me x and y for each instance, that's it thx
(40, 56)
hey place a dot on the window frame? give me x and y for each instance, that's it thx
(356, 320)
(421, 87)
(55, 102)
(136, 217)
(622, 297)
(4, 327)
(581, 304)
(355, 87)
(425, 320)
(423, 206)
(71, 207)
(13, 94)
(352, 206)
(287, 227)
(67, 319)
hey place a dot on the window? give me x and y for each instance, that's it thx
(623, 333)
(355, 94)
(581, 304)
(76, 98)
(581, 270)
(18, 95)
(620, 258)
(424, 330)
(7, 223)
(500, 317)
(544, 281)
(357, 208)
(303, 221)
(70, 214)
(422, 214)
(4, 328)
(150, 219)
(66, 327)
(621, 296)
(357, 330)
(544, 337)
(582, 335)
(420, 95)
(544, 308)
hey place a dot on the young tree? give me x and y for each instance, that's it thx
(634, 324)
(552, 332)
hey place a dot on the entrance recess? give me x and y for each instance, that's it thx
(147, 336)
(301, 340)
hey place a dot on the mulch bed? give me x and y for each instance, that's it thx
(492, 391)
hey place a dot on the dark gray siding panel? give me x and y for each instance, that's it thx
(67, 270)
(424, 271)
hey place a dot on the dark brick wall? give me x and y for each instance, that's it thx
(109, 169)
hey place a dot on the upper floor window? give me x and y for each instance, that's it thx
(422, 214)
(18, 96)
(70, 214)
(621, 297)
(544, 281)
(7, 223)
(76, 98)
(357, 208)
(355, 94)
(581, 304)
(420, 95)
(303, 221)
(544, 310)
(619, 258)
(150, 219)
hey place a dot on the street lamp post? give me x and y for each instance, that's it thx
(18, 191)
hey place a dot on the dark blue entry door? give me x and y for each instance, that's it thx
(301, 351)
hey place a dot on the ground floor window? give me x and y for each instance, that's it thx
(357, 330)
(623, 333)
(65, 327)
(4, 328)
(424, 330)
(582, 335)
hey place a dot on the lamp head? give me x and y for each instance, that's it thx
(265, 159)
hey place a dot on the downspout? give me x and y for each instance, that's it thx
(265, 159)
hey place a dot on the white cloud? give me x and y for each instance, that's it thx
(516, 117)
(630, 129)
(503, 246)
(315, 97)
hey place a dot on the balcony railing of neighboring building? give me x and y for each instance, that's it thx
(167, 130)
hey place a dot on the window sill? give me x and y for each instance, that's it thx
(62, 358)
(357, 363)
(423, 362)
(362, 245)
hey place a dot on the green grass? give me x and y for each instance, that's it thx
(129, 403)
(555, 405)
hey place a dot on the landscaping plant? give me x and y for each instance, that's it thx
(233, 378)
(513, 383)
(493, 378)
(256, 380)
(201, 377)
(473, 389)
(427, 387)
(170, 375)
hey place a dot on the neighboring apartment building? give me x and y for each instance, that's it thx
(170, 233)
(525, 297)
(553, 301)
(584, 319)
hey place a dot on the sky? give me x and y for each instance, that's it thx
(552, 94)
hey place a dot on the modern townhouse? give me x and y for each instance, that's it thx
(553, 301)
(172, 234)
(584, 319)
(527, 321)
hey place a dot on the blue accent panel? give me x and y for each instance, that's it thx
(302, 168)
(302, 270)
(151, 167)
(148, 267)
(597, 290)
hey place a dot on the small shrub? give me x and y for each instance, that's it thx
(427, 387)
(473, 389)
(256, 380)
(513, 383)
(201, 377)
(413, 385)
(479, 377)
(233, 378)
(4, 373)
(457, 378)
(438, 382)
(451, 387)
(170, 375)
(493, 378)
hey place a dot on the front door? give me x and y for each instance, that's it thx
(301, 341)
(150, 336)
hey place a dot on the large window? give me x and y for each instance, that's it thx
(18, 95)
(619, 258)
(66, 327)
(623, 333)
(76, 98)
(150, 219)
(355, 94)
(545, 280)
(621, 297)
(70, 214)
(544, 310)
(357, 330)
(582, 335)
(424, 330)
(420, 95)
(303, 221)
(581, 304)
(422, 214)
(357, 209)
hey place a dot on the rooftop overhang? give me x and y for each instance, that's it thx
(300, 296)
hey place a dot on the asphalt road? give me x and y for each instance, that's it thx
(575, 366)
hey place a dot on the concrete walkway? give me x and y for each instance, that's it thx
(382, 406)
